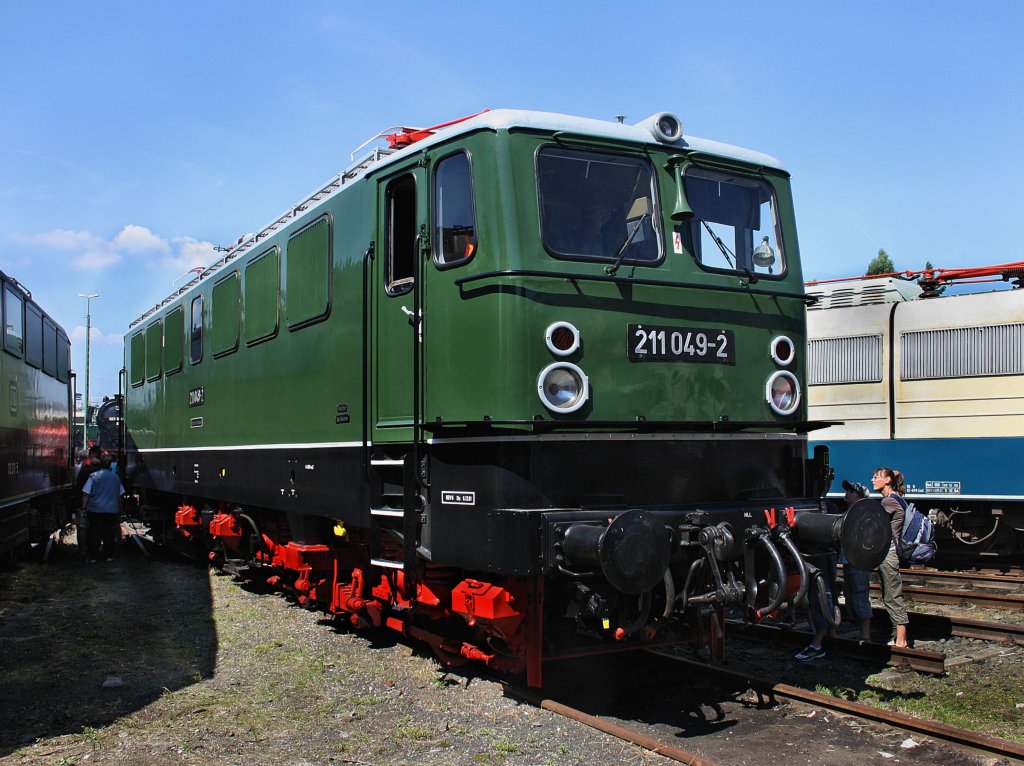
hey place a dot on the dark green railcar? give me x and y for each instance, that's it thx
(35, 421)
(537, 372)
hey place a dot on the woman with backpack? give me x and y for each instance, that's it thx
(892, 486)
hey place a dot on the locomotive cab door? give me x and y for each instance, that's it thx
(401, 236)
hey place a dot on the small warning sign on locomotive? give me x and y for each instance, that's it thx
(455, 497)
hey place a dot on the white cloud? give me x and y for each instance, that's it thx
(95, 253)
(96, 336)
(62, 239)
(97, 258)
(191, 253)
(138, 240)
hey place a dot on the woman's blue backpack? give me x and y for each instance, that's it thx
(917, 540)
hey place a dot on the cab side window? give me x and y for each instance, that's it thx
(401, 234)
(195, 335)
(454, 214)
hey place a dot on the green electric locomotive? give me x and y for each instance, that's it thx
(35, 421)
(522, 385)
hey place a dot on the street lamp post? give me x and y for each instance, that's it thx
(88, 331)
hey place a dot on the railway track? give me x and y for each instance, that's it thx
(923, 626)
(1013, 577)
(767, 691)
(1001, 591)
(961, 737)
(665, 749)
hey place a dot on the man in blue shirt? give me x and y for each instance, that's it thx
(101, 497)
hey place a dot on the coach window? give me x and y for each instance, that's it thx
(454, 215)
(224, 319)
(138, 366)
(174, 333)
(259, 305)
(14, 322)
(307, 288)
(50, 348)
(33, 335)
(154, 349)
(735, 224)
(195, 334)
(63, 357)
(401, 234)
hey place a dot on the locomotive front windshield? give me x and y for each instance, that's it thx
(598, 206)
(735, 225)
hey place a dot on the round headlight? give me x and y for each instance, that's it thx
(783, 393)
(563, 387)
(783, 351)
(562, 338)
(667, 128)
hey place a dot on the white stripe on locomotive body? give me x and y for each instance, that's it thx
(589, 437)
(235, 447)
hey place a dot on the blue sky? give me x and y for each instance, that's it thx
(135, 135)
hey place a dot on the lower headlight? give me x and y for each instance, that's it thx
(783, 393)
(563, 387)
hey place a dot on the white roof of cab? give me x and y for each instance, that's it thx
(507, 119)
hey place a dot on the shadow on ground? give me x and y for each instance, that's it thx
(83, 644)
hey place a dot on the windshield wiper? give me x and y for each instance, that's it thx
(729, 256)
(611, 268)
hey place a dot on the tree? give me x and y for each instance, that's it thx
(881, 264)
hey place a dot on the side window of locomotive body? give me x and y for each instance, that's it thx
(138, 366)
(307, 273)
(174, 332)
(735, 225)
(63, 357)
(154, 350)
(14, 322)
(33, 335)
(260, 301)
(50, 348)
(401, 234)
(195, 333)
(597, 206)
(454, 213)
(224, 322)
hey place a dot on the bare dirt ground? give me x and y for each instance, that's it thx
(143, 661)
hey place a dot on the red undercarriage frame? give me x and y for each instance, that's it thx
(341, 582)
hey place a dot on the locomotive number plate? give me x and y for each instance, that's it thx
(657, 343)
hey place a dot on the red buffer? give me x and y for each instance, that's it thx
(225, 528)
(188, 521)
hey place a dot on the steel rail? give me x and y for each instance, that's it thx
(942, 625)
(1009, 601)
(976, 740)
(616, 730)
(981, 578)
